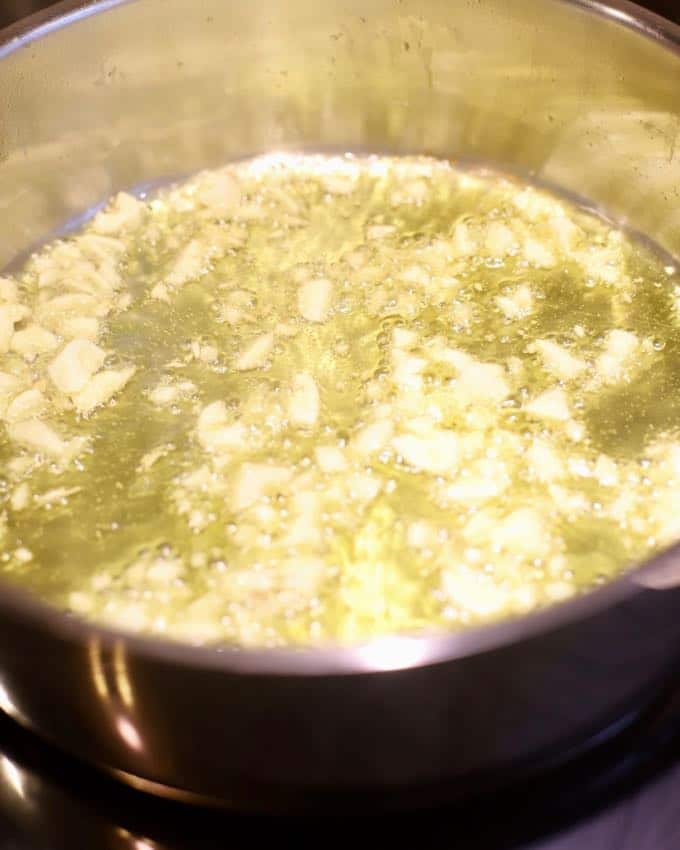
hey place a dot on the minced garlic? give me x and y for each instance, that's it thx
(307, 398)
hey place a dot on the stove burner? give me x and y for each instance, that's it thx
(49, 800)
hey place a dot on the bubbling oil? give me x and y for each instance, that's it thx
(313, 398)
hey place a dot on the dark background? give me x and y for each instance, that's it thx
(12, 9)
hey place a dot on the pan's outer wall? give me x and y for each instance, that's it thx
(145, 90)
(293, 742)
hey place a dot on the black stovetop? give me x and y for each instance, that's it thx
(625, 796)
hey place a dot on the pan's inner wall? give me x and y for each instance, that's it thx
(153, 89)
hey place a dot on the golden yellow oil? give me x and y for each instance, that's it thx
(406, 244)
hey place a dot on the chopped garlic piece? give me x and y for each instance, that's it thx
(500, 239)
(151, 457)
(255, 355)
(28, 404)
(124, 211)
(9, 291)
(606, 471)
(474, 592)
(404, 338)
(603, 264)
(416, 274)
(517, 305)
(576, 431)
(560, 590)
(255, 480)
(464, 242)
(303, 406)
(363, 488)
(164, 394)
(40, 437)
(190, 263)
(412, 192)
(102, 388)
(544, 462)
(208, 353)
(372, 438)
(83, 327)
(71, 304)
(565, 230)
(163, 570)
(169, 392)
(33, 340)
(474, 489)
(407, 369)
(56, 494)
(330, 458)
(538, 254)
(9, 384)
(286, 330)
(75, 364)
(220, 191)
(421, 534)
(551, 405)
(523, 531)
(21, 497)
(339, 183)
(216, 432)
(160, 292)
(437, 452)
(536, 204)
(559, 360)
(379, 231)
(305, 529)
(10, 314)
(620, 346)
(314, 299)
(479, 382)
(571, 503)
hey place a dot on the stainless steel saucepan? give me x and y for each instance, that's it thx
(95, 97)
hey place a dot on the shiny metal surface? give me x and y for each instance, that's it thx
(114, 94)
(618, 796)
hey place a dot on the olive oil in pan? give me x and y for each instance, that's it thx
(310, 398)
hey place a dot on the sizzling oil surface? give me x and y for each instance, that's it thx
(311, 398)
